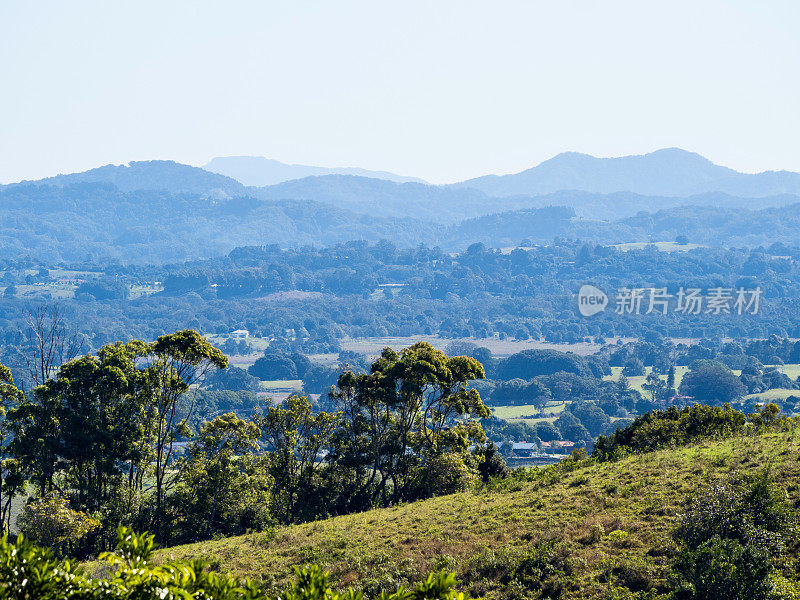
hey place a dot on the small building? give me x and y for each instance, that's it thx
(523, 448)
(240, 334)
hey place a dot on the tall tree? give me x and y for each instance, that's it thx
(85, 424)
(175, 362)
(48, 343)
(225, 485)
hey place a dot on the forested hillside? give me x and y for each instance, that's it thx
(96, 222)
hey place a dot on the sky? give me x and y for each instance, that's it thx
(442, 90)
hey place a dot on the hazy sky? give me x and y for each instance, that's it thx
(438, 89)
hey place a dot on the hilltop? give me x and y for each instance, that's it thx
(607, 526)
(162, 175)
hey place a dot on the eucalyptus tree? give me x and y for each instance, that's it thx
(414, 407)
(174, 363)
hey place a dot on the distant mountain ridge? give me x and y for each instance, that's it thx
(258, 171)
(161, 175)
(666, 172)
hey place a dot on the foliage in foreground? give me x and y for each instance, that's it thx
(735, 535)
(28, 571)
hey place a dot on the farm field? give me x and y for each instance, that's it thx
(636, 382)
(776, 394)
(282, 384)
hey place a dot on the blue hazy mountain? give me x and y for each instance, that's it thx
(259, 171)
(99, 222)
(380, 197)
(162, 175)
(667, 172)
(448, 204)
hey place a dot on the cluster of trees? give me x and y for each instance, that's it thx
(106, 439)
(101, 429)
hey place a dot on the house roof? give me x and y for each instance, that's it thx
(524, 446)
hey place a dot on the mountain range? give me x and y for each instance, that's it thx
(666, 172)
(163, 211)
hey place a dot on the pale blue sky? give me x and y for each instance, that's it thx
(442, 90)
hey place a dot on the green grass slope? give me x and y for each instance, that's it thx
(611, 523)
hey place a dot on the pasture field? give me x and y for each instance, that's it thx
(499, 348)
(485, 535)
(776, 394)
(637, 381)
(42, 291)
(282, 384)
(661, 246)
(528, 412)
(790, 370)
(141, 290)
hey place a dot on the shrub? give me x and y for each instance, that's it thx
(443, 474)
(618, 538)
(721, 568)
(51, 522)
(673, 426)
(749, 510)
(731, 531)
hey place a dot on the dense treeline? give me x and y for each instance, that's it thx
(324, 294)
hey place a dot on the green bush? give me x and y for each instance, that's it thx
(731, 531)
(673, 426)
(723, 568)
(749, 510)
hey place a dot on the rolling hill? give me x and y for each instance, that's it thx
(374, 196)
(96, 221)
(609, 525)
(161, 175)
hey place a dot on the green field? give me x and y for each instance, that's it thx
(637, 381)
(528, 412)
(776, 394)
(791, 370)
(282, 384)
(483, 535)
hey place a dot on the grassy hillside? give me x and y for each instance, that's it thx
(610, 522)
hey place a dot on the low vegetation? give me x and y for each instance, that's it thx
(579, 529)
